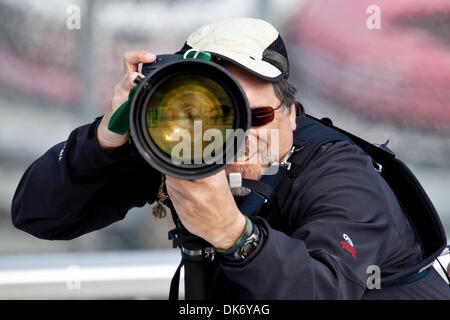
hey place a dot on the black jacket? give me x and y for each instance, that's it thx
(343, 218)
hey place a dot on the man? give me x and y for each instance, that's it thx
(340, 216)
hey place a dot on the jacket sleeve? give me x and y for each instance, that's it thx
(75, 188)
(343, 222)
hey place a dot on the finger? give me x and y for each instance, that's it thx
(127, 82)
(131, 60)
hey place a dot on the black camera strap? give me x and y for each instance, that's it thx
(193, 257)
(262, 191)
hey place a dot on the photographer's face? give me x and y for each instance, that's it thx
(256, 155)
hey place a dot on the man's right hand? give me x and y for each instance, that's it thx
(107, 139)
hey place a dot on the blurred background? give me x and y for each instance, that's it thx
(387, 83)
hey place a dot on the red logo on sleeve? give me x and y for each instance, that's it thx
(348, 245)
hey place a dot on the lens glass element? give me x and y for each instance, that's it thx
(184, 109)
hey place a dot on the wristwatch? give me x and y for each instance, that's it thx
(248, 241)
(249, 245)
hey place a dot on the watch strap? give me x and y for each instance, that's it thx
(246, 243)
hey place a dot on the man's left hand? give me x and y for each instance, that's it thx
(207, 209)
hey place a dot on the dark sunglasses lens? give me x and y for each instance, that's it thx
(262, 116)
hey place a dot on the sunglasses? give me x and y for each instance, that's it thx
(263, 115)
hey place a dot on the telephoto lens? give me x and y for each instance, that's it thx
(189, 117)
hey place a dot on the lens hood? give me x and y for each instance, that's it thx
(149, 148)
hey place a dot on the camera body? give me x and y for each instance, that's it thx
(160, 61)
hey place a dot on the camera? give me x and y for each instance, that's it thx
(188, 116)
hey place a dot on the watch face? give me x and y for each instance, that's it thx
(249, 245)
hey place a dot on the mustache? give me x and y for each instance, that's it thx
(258, 145)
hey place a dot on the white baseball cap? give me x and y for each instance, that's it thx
(253, 44)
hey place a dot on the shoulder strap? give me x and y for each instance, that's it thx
(380, 154)
(313, 133)
(310, 135)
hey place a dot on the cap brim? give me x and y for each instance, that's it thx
(261, 69)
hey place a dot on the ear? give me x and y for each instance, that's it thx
(292, 116)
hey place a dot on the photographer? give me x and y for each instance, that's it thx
(339, 216)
